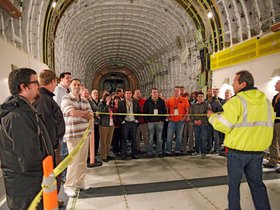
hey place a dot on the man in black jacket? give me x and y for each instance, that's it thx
(24, 140)
(217, 137)
(155, 105)
(274, 147)
(93, 100)
(51, 114)
(129, 122)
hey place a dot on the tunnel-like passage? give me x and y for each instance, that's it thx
(147, 37)
(112, 77)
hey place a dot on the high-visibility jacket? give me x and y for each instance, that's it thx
(247, 121)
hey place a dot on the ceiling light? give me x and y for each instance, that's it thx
(53, 4)
(209, 14)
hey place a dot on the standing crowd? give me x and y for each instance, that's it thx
(43, 118)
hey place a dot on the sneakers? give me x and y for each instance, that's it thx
(96, 164)
(278, 170)
(214, 152)
(60, 203)
(84, 188)
(110, 158)
(134, 156)
(168, 154)
(203, 156)
(70, 192)
(177, 153)
(149, 155)
(269, 165)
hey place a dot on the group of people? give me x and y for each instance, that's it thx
(158, 121)
(43, 118)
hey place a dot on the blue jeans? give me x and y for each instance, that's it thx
(201, 133)
(217, 140)
(251, 165)
(173, 127)
(152, 127)
(63, 153)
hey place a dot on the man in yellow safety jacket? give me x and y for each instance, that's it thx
(247, 121)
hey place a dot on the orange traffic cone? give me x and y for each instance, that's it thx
(50, 199)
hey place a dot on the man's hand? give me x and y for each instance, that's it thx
(87, 115)
(209, 113)
(108, 101)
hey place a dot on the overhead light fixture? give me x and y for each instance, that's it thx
(210, 14)
(53, 4)
(276, 73)
(226, 81)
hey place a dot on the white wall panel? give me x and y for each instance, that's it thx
(9, 55)
(261, 69)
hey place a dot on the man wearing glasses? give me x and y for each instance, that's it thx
(24, 140)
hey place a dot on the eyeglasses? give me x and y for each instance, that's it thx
(34, 82)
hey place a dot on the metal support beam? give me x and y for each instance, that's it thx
(10, 8)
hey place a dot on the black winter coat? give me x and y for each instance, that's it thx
(94, 107)
(52, 115)
(104, 118)
(24, 143)
(149, 107)
(122, 109)
(276, 106)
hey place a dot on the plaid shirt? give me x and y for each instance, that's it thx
(75, 126)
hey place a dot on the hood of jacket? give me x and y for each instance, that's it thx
(253, 96)
(11, 103)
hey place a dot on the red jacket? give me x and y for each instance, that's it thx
(141, 103)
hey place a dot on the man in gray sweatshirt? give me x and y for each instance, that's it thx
(201, 125)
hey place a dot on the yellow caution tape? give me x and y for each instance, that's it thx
(156, 115)
(63, 165)
(151, 115)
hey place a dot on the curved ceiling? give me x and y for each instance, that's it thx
(84, 36)
(123, 33)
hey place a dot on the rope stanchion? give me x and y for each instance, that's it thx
(92, 147)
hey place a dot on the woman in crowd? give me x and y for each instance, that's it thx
(106, 125)
(117, 136)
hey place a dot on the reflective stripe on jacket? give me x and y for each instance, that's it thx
(247, 121)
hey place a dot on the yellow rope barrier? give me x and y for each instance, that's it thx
(150, 115)
(63, 165)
